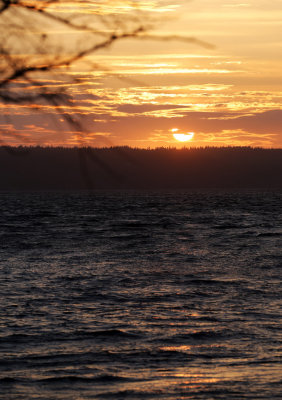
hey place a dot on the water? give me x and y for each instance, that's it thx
(140, 295)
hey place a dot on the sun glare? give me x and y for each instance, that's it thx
(182, 137)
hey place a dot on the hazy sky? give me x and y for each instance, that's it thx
(136, 91)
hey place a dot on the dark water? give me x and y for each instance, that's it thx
(140, 296)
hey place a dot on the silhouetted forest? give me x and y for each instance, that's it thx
(57, 168)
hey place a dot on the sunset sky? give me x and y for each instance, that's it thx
(225, 86)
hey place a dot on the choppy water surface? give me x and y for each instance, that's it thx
(140, 295)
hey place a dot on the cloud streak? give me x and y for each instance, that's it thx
(138, 91)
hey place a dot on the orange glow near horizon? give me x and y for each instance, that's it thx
(132, 92)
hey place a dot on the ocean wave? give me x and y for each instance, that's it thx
(73, 379)
(115, 334)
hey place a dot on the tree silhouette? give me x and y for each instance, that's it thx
(30, 50)
(56, 168)
(27, 47)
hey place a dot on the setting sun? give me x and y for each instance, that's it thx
(182, 137)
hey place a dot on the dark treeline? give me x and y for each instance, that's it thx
(58, 168)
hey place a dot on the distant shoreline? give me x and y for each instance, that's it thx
(65, 168)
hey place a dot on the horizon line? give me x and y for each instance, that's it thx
(3, 146)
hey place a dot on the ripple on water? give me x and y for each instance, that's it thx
(140, 295)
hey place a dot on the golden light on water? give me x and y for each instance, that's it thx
(182, 137)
